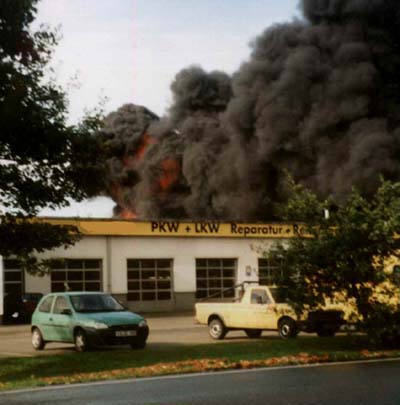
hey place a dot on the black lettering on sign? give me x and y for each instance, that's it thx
(173, 226)
(213, 227)
(162, 226)
(165, 227)
(298, 230)
(200, 227)
(206, 227)
(233, 227)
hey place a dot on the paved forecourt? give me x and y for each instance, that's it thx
(15, 340)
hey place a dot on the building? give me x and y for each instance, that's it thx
(157, 265)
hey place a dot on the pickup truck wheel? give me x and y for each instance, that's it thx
(217, 329)
(253, 333)
(287, 328)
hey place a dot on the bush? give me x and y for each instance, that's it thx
(383, 326)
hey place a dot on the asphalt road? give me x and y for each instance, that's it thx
(15, 340)
(355, 383)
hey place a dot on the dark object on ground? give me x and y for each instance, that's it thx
(18, 308)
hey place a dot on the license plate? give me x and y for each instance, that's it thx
(124, 333)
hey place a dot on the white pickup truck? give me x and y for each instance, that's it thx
(260, 309)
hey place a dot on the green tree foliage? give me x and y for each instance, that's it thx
(43, 161)
(343, 253)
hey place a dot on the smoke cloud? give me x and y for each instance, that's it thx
(319, 98)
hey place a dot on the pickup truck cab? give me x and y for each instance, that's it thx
(260, 308)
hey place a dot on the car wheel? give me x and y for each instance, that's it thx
(217, 329)
(287, 328)
(81, 341)
(37, 339)
(253, 333)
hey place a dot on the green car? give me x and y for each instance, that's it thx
(86, 319)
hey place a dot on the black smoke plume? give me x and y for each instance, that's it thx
(319, 98)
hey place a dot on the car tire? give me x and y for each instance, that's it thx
(253, 333)
(287, 328)
(81, 341)
(216, 329)
(38, 342)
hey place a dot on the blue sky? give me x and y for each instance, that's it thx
(130, 50)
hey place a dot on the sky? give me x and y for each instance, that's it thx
(129, 51)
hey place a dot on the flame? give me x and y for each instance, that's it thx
(131, 161)
(121, 211)
(147, 140)
(127, 213)
(171, 169)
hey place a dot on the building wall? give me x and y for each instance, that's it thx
(89, 247)
(114, 251)
(184, 253)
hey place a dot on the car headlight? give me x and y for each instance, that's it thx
(100, 325)
(142, 324)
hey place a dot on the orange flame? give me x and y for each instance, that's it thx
(131, 161)
(171, 169)
(127, 213)
(146, 142)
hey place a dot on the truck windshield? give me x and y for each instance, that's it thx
(280, 294)
(95, 303)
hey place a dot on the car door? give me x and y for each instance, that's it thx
(43, 315)
(256, 313)
(61, 319)
(265, 316)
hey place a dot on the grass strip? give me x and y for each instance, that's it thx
(167, 359)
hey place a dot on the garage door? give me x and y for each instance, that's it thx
(215, 277)
(76, 275)
(149, 280)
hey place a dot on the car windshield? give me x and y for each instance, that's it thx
(95, 303)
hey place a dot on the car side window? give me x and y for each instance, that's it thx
(60, 304)
(259, 297)
(45, 306)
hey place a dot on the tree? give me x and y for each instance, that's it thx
(344, 253)
(43, 161)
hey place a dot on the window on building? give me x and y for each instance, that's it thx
(149, 279)
(76, 275)
(269, 271)
(215, 277)
(13, 276)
